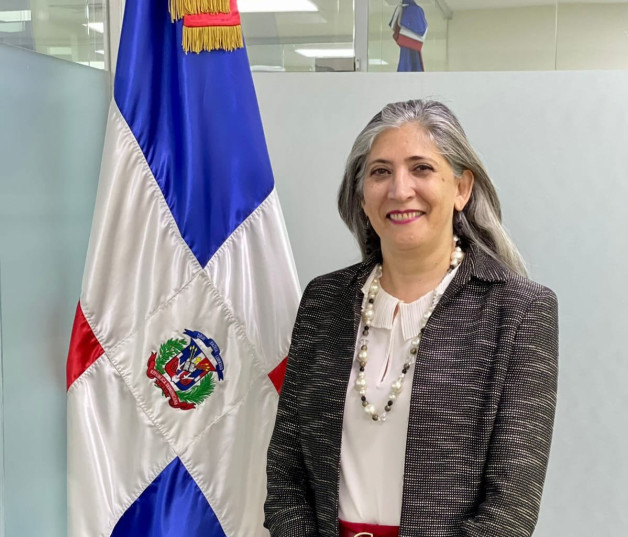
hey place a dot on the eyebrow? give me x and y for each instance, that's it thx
(413, 158)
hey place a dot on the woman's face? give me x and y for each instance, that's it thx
(410, 191)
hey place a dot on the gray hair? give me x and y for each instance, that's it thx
(479, 223)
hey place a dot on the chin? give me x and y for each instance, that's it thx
(405, 246)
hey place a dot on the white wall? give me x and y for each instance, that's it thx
(510, 39)
(555, 144)
(592, 36)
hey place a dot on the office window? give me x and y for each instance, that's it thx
(72, 30)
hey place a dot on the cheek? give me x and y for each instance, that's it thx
(369, 199)
(444, 197)
(367, 209)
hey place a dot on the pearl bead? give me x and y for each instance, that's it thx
(368, 313)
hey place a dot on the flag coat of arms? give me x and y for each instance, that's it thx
(189, 292)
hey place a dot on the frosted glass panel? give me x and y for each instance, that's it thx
(51, 133)
(592, 35)
(311, 35)
(507, 35)
(73, 30)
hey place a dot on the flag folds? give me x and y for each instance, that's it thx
(187, 302)
(409, 26)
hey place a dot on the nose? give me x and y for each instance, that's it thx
(401, 186)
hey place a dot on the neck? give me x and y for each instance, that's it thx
(408, 276)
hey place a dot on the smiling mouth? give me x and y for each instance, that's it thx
(405, 216)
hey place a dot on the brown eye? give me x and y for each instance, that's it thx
(423, 168)
(379, 171)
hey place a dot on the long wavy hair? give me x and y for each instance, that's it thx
(479, 223)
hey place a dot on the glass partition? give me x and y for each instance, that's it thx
(299, 35)
(321, 35)
(71, 30)
(52, 125)
(592, 35)
(2, 482)
(499, 35)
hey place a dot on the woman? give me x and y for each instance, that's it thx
(420, 391)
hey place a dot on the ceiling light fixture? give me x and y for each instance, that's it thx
(96, 26)
(270, 6)
(326, 52)
(64, 51)
(23, 15)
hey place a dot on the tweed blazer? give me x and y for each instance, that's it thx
(481, 409)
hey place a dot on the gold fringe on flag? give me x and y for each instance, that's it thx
(178, 8)
(197, 39)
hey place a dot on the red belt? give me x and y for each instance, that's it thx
(356, 529)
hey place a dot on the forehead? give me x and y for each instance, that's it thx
(410, 139)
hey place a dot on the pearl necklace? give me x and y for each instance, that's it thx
(368, 313)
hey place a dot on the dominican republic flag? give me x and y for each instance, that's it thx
(189, 292)
(409, 26)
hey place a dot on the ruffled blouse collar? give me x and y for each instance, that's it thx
(409, 313)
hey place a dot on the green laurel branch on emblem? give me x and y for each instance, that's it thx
(170, 348)
(200, 392)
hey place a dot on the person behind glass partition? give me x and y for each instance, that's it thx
(420, 390)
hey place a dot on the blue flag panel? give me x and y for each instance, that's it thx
(171, 506)
(196, 119)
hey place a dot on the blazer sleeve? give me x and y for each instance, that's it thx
(288, 511)
(520, 442)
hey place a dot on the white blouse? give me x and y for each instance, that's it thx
(372, 453)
